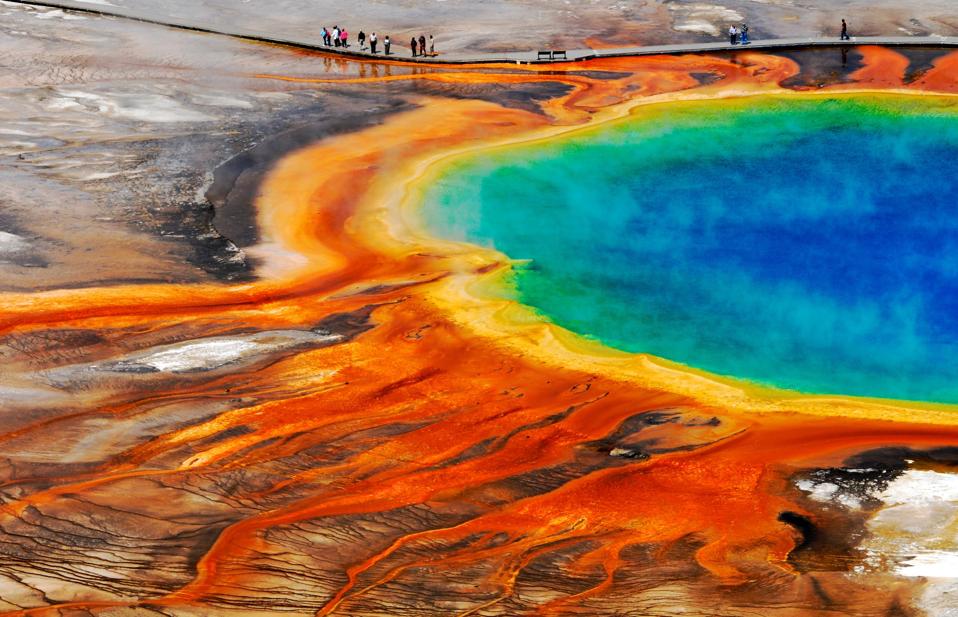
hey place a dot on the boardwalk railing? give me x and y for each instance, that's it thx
(522, 57)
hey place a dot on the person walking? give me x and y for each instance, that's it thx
(386, 45)
(422, 45)
(336, 36)
(344, 37)
(845, 36)
(413, 45)
(372, 42)
(432, 46)
(362, 40)
(732, 35)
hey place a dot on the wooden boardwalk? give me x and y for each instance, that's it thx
(516, 57)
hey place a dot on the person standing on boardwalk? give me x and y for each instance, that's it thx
(744, 37)
(845, 36)
(432, 46)
(362, 40)
(372, 42)
(386, 44)
(336, 36)
(732, 35)
(325, 34)
(344, 37)
(412, 45)
(422, 45)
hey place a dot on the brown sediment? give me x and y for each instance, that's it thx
(441, 447)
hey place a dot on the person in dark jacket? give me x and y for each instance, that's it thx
(362, 40)
(414, 46)
(422, 45)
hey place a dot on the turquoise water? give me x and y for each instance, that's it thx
(809, 244)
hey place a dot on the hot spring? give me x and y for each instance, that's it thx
(803, 242)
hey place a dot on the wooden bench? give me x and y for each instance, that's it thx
(559, 52)
(544, 54)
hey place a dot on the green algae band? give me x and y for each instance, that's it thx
(808, 243)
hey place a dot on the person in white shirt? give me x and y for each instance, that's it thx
(732, 35)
